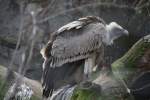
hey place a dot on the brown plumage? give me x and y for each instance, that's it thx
(75, 43)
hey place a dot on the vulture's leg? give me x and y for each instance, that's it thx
(88, 66)
(86, 69)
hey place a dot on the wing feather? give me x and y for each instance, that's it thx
(80, 23)
(78, 47)
(54, 78)
(74, 24)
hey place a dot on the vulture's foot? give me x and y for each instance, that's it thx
(87, 85)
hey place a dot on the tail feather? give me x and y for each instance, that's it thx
(55, 78)
(47, 92)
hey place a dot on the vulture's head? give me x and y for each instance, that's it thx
(114, 31)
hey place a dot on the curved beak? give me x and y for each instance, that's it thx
(126, 32)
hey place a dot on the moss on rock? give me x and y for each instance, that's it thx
(80, 94)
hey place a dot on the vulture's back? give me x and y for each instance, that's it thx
(77, 40)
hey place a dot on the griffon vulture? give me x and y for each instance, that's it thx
(74, 44)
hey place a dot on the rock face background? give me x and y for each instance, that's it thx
(15, 17)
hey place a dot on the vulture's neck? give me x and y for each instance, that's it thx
(109, 36)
